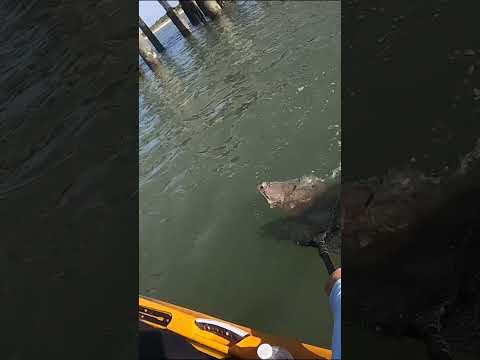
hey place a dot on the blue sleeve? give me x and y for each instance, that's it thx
(336, 307)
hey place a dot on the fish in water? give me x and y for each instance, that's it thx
(309, 204)
(400, 232)
(377, 216)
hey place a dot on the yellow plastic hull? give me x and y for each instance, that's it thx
(218, 338)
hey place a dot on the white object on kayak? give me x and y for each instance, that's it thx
(269, 352)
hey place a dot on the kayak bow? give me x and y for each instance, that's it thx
(218, 338)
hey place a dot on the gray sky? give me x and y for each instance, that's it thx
(151, 10)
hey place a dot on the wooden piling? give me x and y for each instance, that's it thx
(149, 34)
(209, 8)
(193, 12)
(175, 19)
(148, 53)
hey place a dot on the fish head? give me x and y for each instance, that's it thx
(292, 196)
(277, 192)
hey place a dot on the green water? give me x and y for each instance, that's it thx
(253, 96)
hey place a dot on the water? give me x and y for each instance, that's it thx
(253, 96)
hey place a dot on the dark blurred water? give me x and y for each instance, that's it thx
(252, 96)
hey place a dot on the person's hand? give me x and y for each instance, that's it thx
(337, 274)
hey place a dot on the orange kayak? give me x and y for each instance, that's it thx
(218, 338)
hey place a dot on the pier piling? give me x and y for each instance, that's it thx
(184, 30)
(209, 8)
(193, 12)
(149, 34)
(148, 53)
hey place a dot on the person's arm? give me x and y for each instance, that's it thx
(335, 300)
(333, 288)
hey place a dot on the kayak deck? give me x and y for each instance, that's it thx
(218, 338)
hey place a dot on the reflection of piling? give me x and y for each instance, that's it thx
(175, 19)
(221, 3)
(148, 53)
(193, 12)
(209, 8)
(224, 24)
(148, 33)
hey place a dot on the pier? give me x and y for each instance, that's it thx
(196, 11)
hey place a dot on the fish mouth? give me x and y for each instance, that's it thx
(261, 189)
(273, 203)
